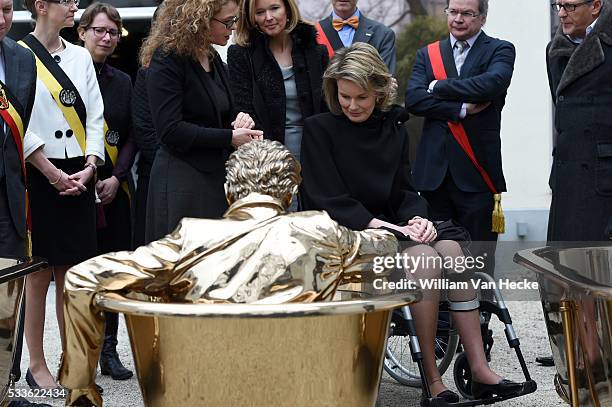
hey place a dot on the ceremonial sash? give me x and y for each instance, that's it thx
(113, 152)
(458, 131)
(61, 88)
(323, 40)
(11, 112)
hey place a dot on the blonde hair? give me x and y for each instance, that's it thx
(264, 167)
(182, 27)
(361, 64)
(246, 24)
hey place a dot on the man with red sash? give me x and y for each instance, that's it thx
(18, 86)
(459, 85)
(347, 25)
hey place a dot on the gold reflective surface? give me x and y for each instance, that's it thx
(257, 254)
(576, 293)
(319, 354)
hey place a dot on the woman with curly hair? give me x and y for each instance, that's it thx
(192, 110)
(276, 70)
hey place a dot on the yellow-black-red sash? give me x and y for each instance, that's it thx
(10, 113)
(113, 154)
(50, 73)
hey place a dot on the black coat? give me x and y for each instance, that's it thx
(359, 171)
(581, 177)
(267, 105)
(144, 131)
(20, 72)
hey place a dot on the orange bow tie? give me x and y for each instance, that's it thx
(353, 22)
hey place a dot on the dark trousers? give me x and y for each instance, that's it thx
(472, 210)
(140, 210)
(12, 245)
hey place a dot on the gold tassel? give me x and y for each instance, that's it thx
(498, 221)
(28, 244)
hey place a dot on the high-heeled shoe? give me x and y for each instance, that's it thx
(59, 394)
(503, 388)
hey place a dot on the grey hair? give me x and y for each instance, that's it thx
(264, 167)
(483, 6)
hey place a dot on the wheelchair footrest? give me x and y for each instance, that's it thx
(528, 387)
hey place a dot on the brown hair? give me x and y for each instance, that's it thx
(247, 24)
(182, 27)
(361, 64)
(29, 5)
(94, 9)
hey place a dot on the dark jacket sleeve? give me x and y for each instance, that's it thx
(31, 66)
(241, 81)
(143, 129)
(484, 87)
(165, 82)
(405, 200)
(422, 103)
(387, 48)
(322, 185)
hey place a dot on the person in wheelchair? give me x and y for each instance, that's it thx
(355, 166)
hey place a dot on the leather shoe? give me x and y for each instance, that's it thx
(503, 388)
(545, 360)
(448, 396)
(25, 403)
(110, 365)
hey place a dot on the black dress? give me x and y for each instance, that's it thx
(114, 226)
(192, 113)
(359, 171)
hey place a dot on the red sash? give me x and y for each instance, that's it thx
(323, 40)
(13, 120)
(458, 131)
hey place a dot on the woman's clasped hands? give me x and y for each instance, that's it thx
(420, 230)
(243, 130)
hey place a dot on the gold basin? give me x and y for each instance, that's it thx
(222, 355)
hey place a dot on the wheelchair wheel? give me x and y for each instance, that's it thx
(398, 361)
(463, 376)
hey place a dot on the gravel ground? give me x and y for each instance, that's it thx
(528, 323)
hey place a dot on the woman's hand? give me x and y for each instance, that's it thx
(66, 186)
(243, 121)
(421, 230)
(107, 189)
(79, 179)
(243, 136)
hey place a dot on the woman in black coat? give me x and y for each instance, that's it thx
(192, 112)
(276, 69)
(355, 167)
(100, 30)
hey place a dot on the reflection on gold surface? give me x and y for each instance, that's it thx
(256, 256)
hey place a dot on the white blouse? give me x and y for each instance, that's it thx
(48, 126)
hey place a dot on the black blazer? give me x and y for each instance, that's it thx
(485, 77)
(269, 109)
(359, 171)
(187, 121)
(144, 131)
(20, 72)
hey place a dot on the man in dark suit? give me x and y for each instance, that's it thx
(479, 69)
(347, 25)
(18, 74)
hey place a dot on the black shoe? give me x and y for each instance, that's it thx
(545, 360)
(448, 396)
(99, 388)
(59, 394)
(110, 365)
(503, 388)
(83, 402)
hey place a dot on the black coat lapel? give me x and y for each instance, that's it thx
(448, 59)
(205, 81)
(331, 33)
(474, 54)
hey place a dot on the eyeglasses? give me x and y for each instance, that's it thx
(229, 23)
(67, 3)
(568, 7)
(100, 32)
(465, 14)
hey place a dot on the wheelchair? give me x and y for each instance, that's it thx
(403, 358)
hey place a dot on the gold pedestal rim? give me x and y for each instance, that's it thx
(115, 302)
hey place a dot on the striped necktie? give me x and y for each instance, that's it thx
(461, 48)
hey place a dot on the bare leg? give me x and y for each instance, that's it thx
(59, 274)
(425, 318)
(467, 323)
(37, 285)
